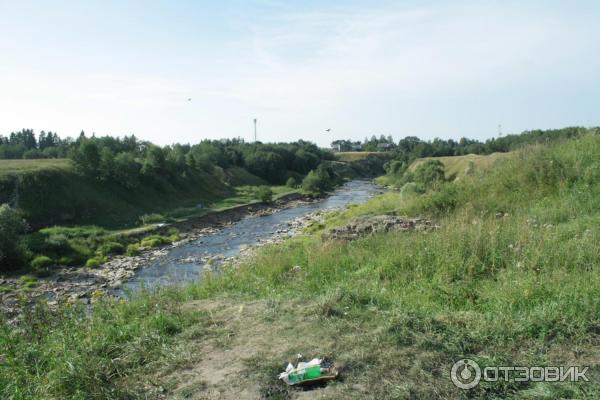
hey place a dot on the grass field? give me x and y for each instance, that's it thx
(12, 167)
(457, 166)
(511, 278)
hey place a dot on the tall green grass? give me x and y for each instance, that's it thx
(70, 354)
(511, 277)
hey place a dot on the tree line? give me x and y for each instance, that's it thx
(411, 147)
(128, 160)
(136, 164)
(25, 144)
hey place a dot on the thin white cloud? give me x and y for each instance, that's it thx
(393, 68)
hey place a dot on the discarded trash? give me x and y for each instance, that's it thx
(308, 372)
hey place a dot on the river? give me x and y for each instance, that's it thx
(182, 264)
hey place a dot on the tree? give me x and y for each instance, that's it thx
(318, 181)
(33, 154)
(291, 182)
(86, 157)
(429, 173)
(154, 162)
(106, 168)
(264, 194)
(304, 161)
(267, 165)
(12, 251)
(396, 167)
(126, 170)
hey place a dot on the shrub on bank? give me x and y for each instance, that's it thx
(111, 248)
(154, 241)
(264, 194)
(318, 181)
(292, 182)
(133, 249)
(41, 265)
(28, 281)
(93, 263)
(409, 189)
(12, 251)
(152, 219)
(57, 244)
(41, 262)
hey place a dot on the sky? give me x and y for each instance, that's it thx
(430, 69)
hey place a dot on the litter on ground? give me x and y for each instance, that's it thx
(313, 371)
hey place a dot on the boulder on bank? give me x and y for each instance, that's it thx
(380, 223)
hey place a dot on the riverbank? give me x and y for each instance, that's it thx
(113, 275)
(510, 278)
(84, 285)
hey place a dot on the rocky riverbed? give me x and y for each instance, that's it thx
(208, 243)
(85, 285)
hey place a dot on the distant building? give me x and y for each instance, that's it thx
(385, 146)
(345, 145)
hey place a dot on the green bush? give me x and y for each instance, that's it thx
(80, 250)
(41, 262)
(396, 167)
(264, 194)
(154, 241)
(111, 248)
(57, 244)
(291, 182)
(151, 243)
(152, 219)
(28, 281)
(12, 250)
(429, 173)
(93, 263)
(317, 182)
(409, 189)
(133, 249)
(65, 260)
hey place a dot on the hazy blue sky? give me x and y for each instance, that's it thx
(427, 68)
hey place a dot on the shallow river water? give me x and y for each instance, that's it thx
(181, 264)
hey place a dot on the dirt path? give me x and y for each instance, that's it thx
(241, 355)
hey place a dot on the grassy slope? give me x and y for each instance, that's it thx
(393, 310)
(11, 167)
(49, 192)
(457, 166)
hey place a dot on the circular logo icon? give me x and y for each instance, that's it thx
(465, 374)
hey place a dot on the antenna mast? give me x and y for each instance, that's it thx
(254, 130)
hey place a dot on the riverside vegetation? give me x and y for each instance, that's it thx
(510, 277)
(112, 193)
